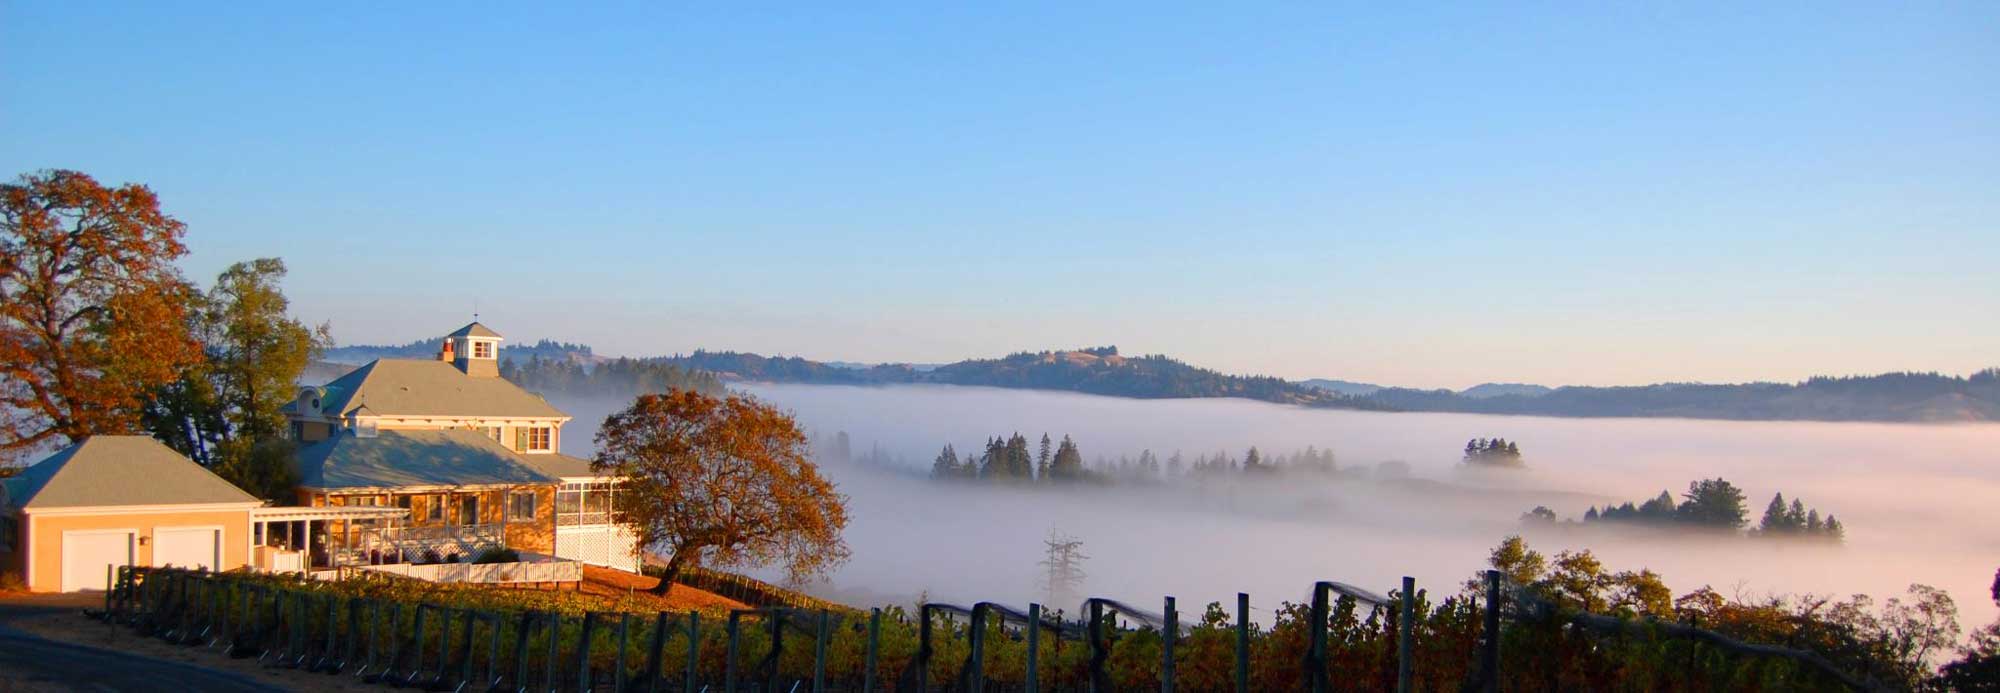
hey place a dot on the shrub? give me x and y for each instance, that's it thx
(498, 555)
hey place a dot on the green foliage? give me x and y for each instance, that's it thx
(498, 555)
(1361, 641)
(228, 411)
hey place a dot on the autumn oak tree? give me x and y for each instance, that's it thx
(92, 310)
(721, 482)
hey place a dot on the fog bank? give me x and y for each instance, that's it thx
(1921, 503)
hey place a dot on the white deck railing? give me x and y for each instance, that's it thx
(407, 544)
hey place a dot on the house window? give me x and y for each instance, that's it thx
(491, 431)
(8, 529)
(584, 504)
(537, 439)
(521, 506)
(468, 509)
(570, 499)
(482, 350)
(370, 501)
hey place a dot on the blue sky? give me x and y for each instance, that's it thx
(1564, 194)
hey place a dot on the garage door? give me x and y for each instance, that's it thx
(85, 555)
(186, 547)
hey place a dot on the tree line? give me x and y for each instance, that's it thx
(620, 377)
(1492, 452)
(1096, 370)
(1713, 504)
(1010, 459)
(1884, 397)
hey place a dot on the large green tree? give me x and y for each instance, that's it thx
(92, 309)
(228, 412)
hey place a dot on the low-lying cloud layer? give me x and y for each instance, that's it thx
(1921, 503)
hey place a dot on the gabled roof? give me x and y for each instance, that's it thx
(410, 387)
(394, 459)
(119, 470)
(475, 330)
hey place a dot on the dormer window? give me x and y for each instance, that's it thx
(535, 439)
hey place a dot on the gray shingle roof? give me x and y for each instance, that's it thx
(475, 330)
(559, 465)
(410, 387)
(116, 471)
(394, 459)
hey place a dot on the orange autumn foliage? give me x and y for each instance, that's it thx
(721, 482)
(92, 310)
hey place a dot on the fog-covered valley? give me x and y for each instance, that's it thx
(1921, 503)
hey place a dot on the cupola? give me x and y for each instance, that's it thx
(474, 349)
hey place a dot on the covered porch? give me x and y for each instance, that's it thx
(299, 539)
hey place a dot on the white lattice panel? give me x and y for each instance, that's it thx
(611, 547)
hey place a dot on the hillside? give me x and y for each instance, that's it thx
(1098, 371)
(555, 367)
(357, 354)
(1930, 397)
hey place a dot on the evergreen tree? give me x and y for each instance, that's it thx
(1659, 509)
(1020, 463)
(1068, 462)
(1042, 460)
(946, 466)
(1713, 503)
(1796, 518)
(1813, 525)
(1590, 515)
(1252, 462)
(1775, 519)
(1175, 467)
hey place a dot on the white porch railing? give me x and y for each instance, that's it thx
(425, 544)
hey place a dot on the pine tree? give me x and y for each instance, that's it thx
(993, 463)
(1813, 525)
(1775, 520)
(1042, 460)
(1020, 463)
(946, 466)
(1068, 462)
(1252, 462)
(1796, 518)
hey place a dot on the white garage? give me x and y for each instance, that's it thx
(113, 501)
(187, 547)
(88, 555)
